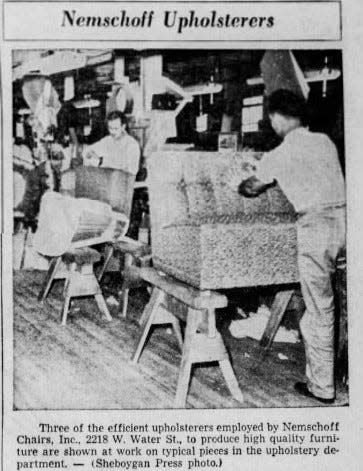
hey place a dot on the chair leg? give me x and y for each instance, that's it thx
(53, 267)
(102, 306)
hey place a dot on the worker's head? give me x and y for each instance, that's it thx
(287, 111)
(116, 124)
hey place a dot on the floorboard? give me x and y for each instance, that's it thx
(86, 364)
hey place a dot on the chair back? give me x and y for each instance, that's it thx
(108, 185)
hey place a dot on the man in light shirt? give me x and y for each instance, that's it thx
(307, 168)
(118, 150)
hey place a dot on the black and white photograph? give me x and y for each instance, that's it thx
(179, 229)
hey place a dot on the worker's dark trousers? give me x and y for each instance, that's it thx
(321, 235)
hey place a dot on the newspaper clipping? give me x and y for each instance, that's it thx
(181, 210)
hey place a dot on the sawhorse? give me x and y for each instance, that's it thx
(202, 341)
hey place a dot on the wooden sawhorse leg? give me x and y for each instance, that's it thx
(128, 261)
(278, 309)
(109, 252)
(155, 314)
(52, 270)
(201, 346)
(67, 295)
(131, 277)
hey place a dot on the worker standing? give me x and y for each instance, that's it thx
(118, 150)
(306, 166)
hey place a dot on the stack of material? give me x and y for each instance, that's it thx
(206, 234)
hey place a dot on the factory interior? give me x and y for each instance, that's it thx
(158, 287)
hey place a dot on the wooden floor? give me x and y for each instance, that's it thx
(86, 365)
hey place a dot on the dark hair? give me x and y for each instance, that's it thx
(116, 115)
(288, 104)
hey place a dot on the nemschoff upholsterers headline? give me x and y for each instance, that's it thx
(171, 19)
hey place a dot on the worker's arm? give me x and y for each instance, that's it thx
(266, 176)
(252, 187)
(91, 154)
(95, 152)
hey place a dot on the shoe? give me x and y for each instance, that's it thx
(302, 388)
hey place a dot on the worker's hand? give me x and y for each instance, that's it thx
(237, 173)
(252, 187)
(91, 154)
(252, 153)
